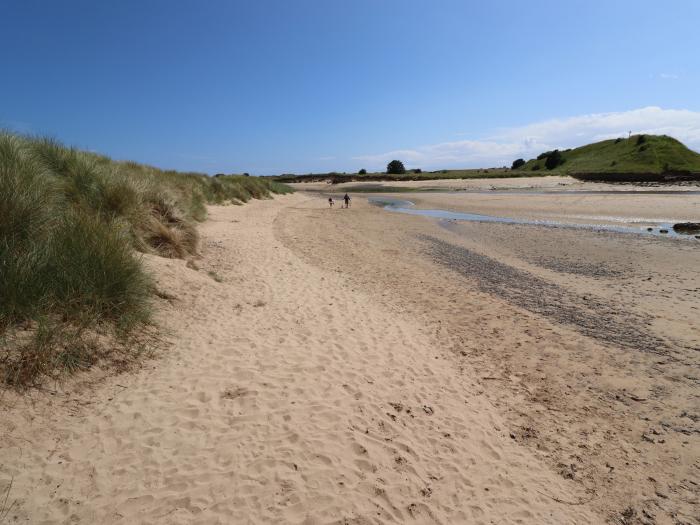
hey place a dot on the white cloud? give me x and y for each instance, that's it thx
(527, 141)
(669, 76)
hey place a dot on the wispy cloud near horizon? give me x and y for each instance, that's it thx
(505, 145)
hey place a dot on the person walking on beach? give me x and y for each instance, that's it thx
(347, 200)
(330, 201)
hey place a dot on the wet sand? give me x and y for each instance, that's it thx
(362, 366)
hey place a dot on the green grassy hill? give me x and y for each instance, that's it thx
(640, 157)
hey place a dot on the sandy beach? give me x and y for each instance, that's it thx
(362, 366)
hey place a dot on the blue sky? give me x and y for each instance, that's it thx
(316, 85)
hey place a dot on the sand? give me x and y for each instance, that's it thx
(553, 182)
(354, 366)
(549, 183)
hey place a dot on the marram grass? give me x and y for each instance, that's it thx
(71, 225)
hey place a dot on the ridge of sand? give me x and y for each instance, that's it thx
(287, 395)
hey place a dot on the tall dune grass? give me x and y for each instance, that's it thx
(71, 224)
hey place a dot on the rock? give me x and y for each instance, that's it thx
(663, 231)
(688, 228)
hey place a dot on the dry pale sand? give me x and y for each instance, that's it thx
(359, 366)
(587, 341)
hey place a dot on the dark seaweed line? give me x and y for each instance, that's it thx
(592, 317)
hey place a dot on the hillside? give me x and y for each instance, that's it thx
(638, 158)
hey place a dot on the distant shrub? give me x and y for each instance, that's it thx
(536, 167)
(362, 172)
(618, 140)
(517, 163)
(395, 167)
(553, 160)
(246, 174)
(417, 170)
(641, 139)
(543, 155)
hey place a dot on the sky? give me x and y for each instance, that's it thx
(281, 86)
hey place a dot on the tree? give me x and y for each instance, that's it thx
(517, 163)
(553, 160)
(362, 172)
(395, 167)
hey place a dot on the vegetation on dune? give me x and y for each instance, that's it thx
(71, 283)
(639, 157)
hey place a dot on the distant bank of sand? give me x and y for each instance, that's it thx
(356, 366)
(449, 184)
